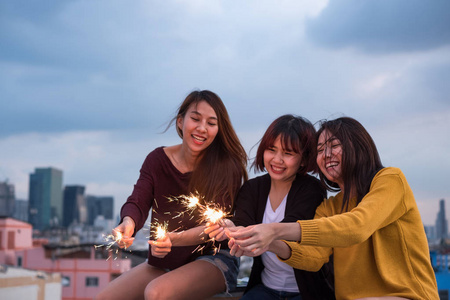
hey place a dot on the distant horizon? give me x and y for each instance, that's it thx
(117, 207)
(89, 86)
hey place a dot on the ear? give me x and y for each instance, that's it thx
(180, 123)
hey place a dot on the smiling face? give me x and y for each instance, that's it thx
(329, 157)
(281, 164)
(199, 126)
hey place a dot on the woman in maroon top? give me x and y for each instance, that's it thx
(211, 162)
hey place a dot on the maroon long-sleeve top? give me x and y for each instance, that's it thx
(158, 183)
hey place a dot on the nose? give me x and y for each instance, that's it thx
(327, 151)
(278, 157)
(201, 127)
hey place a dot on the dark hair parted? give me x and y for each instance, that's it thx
(297, 134)
(360, 158)
(222, 167)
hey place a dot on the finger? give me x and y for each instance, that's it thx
(212, 228)
(221, 236)
(240, 232)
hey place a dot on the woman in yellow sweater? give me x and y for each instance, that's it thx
(372, 226)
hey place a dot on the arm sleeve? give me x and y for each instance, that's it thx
(245, 206)
(383, 205)
(140, 201)
(307, 258)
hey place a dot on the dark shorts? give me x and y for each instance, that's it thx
(261, 291)
(227, 264)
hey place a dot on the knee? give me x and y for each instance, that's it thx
(101, 296)
(155, 291)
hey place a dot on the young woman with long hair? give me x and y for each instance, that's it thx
(210, 162)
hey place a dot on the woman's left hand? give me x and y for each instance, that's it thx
(161, 247)
(254, 239)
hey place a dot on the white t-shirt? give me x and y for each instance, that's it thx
(276, 274)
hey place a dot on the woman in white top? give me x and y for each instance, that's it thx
(286, 193)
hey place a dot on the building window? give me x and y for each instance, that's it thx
(19, 261)
(65, 281)
(91, 281)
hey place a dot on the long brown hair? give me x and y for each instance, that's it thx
(222, 167)
(360, 158)
(295, 132)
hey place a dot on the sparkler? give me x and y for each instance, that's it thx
(110, 240)
(159, 230)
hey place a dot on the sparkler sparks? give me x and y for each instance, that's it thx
(110, 240)
(160, 230)
(213, 215)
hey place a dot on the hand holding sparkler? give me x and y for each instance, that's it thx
(122, 233)
(162, 244)
(217, 231)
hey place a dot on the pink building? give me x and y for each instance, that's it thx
(84, 270)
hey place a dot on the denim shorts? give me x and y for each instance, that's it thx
(227, 264)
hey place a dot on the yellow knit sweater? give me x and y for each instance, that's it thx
(380, 247)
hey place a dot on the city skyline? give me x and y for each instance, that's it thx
(89, 86)
(439, 208)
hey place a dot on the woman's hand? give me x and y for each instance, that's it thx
(123, 232)
(161, 247)
(216, 231)
(253, 240)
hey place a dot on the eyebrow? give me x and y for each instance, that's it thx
(331, 139)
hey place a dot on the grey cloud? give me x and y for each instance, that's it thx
(382, 26)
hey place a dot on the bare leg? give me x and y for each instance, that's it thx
(131, 284)
(196, 280)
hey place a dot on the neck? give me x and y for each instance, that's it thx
(280, 186)
(185, 158)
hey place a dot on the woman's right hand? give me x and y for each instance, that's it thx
(161, 247)
(124, 232)
(216, 231)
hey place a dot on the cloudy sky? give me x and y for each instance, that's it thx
(89, 86)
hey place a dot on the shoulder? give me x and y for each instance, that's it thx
(156, 157)
(389, 174)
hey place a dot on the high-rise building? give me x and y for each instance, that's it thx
(74, 209)
(441, 222)
(21, 210)
(45, 198)
(99, 206)
(7, 199)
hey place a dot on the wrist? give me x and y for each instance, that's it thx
(129, 221)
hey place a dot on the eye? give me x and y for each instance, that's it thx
(271, 149)
(211, 124)
(195, 119)
(335, 145)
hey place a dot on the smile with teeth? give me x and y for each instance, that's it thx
(277, 169)
(331, 164)
(199, 138)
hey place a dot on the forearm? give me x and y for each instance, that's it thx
(280, 248)
(286, 231)
(190, 237)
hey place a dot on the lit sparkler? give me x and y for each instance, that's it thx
(110, 240)
(159, 230)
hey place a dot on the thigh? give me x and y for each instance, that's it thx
(195, 280)
(131, 284)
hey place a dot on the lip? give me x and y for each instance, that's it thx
(198, 139)
(276, 169)
(331, 164)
